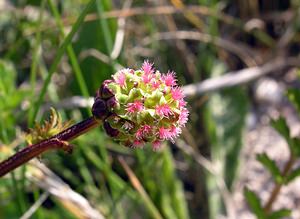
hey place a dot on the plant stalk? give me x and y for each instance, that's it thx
(274, 194)
(58, 141)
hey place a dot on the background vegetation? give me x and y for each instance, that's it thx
(57, 53)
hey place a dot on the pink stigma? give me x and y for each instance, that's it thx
(143, 132)
(120, 79)
(136, 106)
(174, 132)
(137, 144)
(177, 93)
(148, 67)
(169, 133)
(146, 78)
(163, 110)
(164, 133)
(155, 84)
(156, 145)
(183, 117)
(169, 79)
(182, 103)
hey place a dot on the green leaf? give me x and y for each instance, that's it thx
(280, 214)
(294, 96)
(295, 146)
(293, 175)
(254, 203)
(271, 166)
(281, 127)
(174, 187)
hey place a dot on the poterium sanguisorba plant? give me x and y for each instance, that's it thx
(135, 107)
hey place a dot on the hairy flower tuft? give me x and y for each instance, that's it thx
(147, 67)
(143, 132)
(163, 110)
(177, 93)
(164, 133)
(136, 106)
(120, 78)
(142, 106)
(169, 79)
(183, 117)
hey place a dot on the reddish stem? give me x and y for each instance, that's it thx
(58, 141)
(276, 190)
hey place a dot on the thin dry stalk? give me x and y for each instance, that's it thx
(71, 200)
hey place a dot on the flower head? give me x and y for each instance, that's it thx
(144, 106)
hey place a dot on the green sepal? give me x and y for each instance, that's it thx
(122, 98)
(114, 87)
(145, 116)
(153, 99)
(134, 94)
(162, 100)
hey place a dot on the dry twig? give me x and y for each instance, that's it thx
(186, 55)
(243, 76)
(74, 202)
(241, 50)
(120, 33)
(98, 55)
(35, 206)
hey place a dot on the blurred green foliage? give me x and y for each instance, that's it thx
(53, 50)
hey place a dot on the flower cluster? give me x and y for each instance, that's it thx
(140, 106)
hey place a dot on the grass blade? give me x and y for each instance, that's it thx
(78, 74)
(137, 185)
(57, 59)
